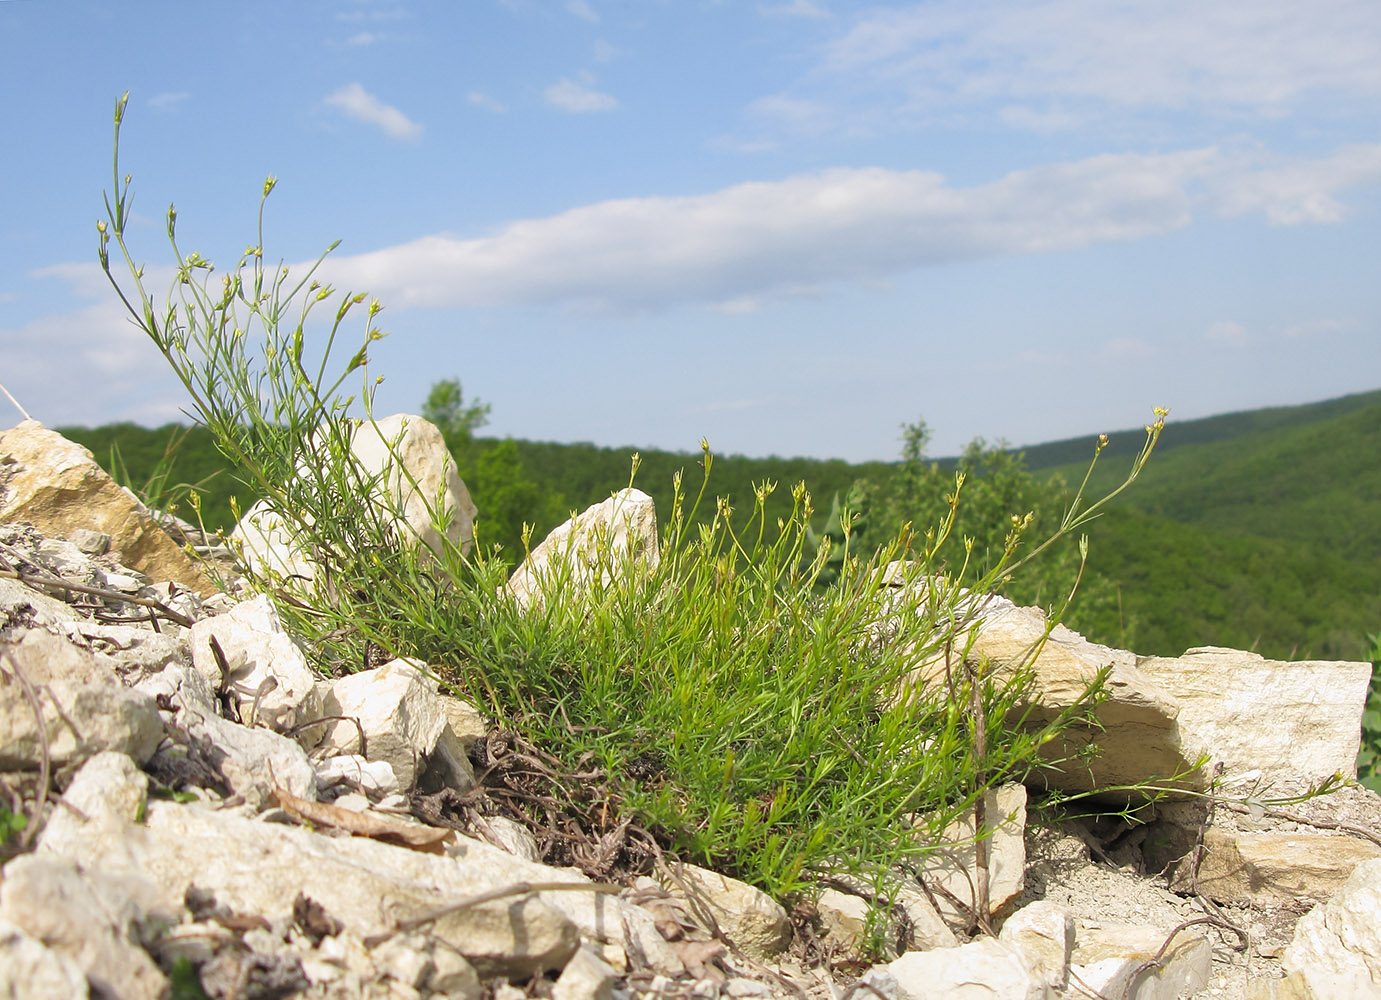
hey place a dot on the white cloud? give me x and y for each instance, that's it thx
(482, 100)
(1228, 332)
(168, 100)
(740, 245)
(1316, 328)
(604, 51)
(83, 366)
(362, 38)
(1257, 56)
(578, 98)
(1302, 191)
(582, 10)
(795, 8)
(363, 106)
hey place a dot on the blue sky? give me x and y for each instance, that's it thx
(786, 226)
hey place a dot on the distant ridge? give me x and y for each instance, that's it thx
(1204, 430)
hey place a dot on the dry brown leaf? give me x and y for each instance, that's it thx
(362, 824)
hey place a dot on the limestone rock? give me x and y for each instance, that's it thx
(407, 457)
(84, 707)
(30, 970)
(585, 977)
(56, 485)
(750, 918)
(1239, 867)
(1137, 736)
(603, 543)
(250, 760)
(52, 900)
(260, 868)
(399, 710)
(108, 795)
(374, 776)
(1044, 933)
(268, 547)
(466, 721)
(134, 653)
(982, 970)
(269, 676)
(23, 607)
(1112, 959)
(1337, 945)
(843, 920)
(953, 870)
(1288, 725)
(410, 455)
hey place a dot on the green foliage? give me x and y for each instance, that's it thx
(753, 721)
(457, 420)
(11, 824)
(830, 544)
(508, 500)
(1369, 757)
(1000, 495)
(164, 466)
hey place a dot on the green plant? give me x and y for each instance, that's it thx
(157, 490)
(1369, 757)
(719, 700)
(12, 824)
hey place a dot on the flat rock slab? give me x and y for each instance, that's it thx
(1284, 725)
(1273, 866)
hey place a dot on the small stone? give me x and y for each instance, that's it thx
(93, 543)
(585, 977)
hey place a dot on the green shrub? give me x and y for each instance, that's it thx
(719, 701)
(1369, 757)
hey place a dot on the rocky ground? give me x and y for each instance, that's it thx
(208, 817)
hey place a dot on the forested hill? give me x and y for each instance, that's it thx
(1259, 529)
(1225, 427)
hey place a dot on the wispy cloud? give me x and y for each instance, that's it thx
(1046, 64)
(1228, 332)
(362, 38)
(795, 8)
(168, 100)
(1316, 328)
(582, 10)
(578, 98)
(482, 100)
(743, 244)
(363, 106)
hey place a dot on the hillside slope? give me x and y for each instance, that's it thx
(1257, 530)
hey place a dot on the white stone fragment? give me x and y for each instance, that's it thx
(398, 709)
(751, 919)
(954, 869)
(981, 970)
(1043, 932)
(269, 676)
(1337, 945)
(374, 776)
(83, 707)
(1127, 960)
(585, 977)
(604, 543)
(29, 970)
(53, 901)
